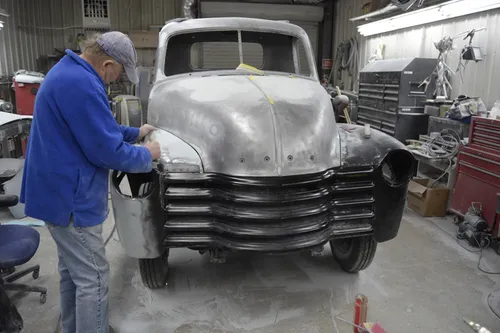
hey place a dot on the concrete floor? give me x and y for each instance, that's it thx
(422, 281)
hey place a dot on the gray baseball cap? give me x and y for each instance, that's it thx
(119, 47)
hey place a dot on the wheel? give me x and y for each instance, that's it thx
(154, 271)
(43, 298)
(36, 274)
(354, 254)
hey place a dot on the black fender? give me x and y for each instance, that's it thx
(394, 166)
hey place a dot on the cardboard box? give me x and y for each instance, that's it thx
(427, 201)
(144, 39)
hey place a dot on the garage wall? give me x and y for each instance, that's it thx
(36, 27)
(481, 79)
(21, 43)
(129, 15)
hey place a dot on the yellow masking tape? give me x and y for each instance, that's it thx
(267, 96)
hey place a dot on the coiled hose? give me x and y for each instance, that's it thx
(447, 140)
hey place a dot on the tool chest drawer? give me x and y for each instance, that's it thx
(381, 77)
(480, 164)
(485, 134)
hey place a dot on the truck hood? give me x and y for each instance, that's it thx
(246, 125)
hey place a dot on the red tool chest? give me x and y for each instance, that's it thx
(478, 172)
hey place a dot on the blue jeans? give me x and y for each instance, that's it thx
(84, 273)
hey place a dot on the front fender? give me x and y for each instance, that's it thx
(138, 215)
(359, 150)
(394, 166)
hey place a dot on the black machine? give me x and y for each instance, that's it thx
(127, 110)
(391, 97)
(473, 228)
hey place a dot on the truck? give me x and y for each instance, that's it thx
(252, 158)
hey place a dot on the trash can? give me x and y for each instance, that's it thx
(26, 87)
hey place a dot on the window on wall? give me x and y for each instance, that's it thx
(95, 8)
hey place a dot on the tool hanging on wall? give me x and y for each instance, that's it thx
(442, 73)
(346, 58)
(378, 53)
(469, 52)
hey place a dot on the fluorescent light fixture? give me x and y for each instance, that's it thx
(387, 9)
(1, 25)
(427, 15)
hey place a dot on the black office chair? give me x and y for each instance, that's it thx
(10, 319)
(18, 244)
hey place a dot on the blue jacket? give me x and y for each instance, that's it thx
(74, 141)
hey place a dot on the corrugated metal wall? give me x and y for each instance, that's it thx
(481, 79)
(139, 15)
(21, 44)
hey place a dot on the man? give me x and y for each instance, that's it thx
(73, 143)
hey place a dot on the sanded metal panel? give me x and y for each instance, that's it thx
(293, 134)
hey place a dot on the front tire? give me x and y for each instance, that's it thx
(354, 254)
(154, 272)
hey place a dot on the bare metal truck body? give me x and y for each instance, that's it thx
(253, 160)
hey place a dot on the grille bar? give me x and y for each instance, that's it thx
(294, 243)
(272, 228)
(287, 181)
(262, 212)
(274, 196)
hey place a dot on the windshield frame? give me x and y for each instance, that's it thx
(301, 36)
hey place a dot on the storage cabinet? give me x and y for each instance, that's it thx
(390, 98)
(478, 172)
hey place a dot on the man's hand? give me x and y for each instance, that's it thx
(145, 130)
(154, 149)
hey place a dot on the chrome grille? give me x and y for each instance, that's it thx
(213, 205)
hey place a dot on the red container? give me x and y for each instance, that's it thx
(26, 88)
(360, 311)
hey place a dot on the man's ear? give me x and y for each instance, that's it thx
(106, 63)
